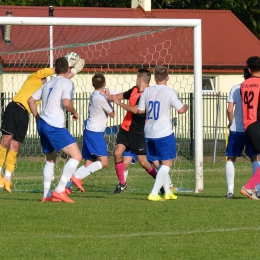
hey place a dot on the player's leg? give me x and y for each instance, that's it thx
(253, 137)
(138, 145)
(252, 154)
(165, 150)
(15, 124)
(48, 174)
(95, 154)
(122, 142)
(61, 140)
(70, 167)
(129, 158)
(51, 154)
(234, 149)
(5, 141)
(10, 162)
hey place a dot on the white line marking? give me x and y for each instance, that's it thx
(220, 230)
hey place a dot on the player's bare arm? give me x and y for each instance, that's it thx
(183, 109)
(33, 107)
(67, 103)
(112, 114)
(230, 113)
(116, 98)
(128, 108)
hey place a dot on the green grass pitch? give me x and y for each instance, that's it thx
(101, 225)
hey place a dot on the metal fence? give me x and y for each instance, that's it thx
(214, 124)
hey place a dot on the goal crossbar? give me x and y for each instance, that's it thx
(195, 23)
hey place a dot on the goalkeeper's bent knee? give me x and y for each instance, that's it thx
(11, 159)
(2, 155)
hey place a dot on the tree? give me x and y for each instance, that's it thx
(247, 11)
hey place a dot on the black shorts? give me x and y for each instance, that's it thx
(253, 135)
(133, 142)
(15, 122)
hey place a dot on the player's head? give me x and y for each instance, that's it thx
(98, 81)
(145, 75)
(246, 73)
(160, 73)
(253, 64)
(61, 66)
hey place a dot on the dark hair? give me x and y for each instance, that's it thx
(61, 66)
(246, 73)
(98, 80)
(145, 75)
(160, 73)
(253, 63)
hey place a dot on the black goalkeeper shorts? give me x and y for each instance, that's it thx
(15, 122)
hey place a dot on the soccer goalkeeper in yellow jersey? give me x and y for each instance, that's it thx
(16, 119)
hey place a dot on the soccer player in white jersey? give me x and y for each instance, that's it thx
(237, 138)
(56, 96)
(94, 144)
(157, 102)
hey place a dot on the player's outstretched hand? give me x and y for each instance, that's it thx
(79, 65)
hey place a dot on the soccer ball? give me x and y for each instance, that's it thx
(72, 58)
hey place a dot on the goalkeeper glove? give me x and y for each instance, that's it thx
(78, 66)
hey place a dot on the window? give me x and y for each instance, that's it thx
(208, 85)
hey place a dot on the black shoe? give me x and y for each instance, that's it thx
(120, 188)
(162, 191)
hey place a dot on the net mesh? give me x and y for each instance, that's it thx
(118, 52)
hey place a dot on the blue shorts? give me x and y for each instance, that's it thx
(162, 148)
(53, 138)
(150, 158)
(133, 155)
(236, 144)
(94, 145)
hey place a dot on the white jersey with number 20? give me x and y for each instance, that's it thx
(158, 101)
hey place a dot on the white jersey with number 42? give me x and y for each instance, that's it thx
(158, 101)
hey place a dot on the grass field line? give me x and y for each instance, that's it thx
(188, 232)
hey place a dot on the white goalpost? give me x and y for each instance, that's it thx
(113, 55)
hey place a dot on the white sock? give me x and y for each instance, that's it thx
(8, 175)
(161, 179)
(125, 174)
(230, 175)
(86, 171)
(167, 184)
(69, 168)
(48, 173)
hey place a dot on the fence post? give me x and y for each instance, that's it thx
(216, 130)
(191, 127)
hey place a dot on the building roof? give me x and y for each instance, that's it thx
(226, 41)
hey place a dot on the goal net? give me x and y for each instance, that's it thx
(117, 48)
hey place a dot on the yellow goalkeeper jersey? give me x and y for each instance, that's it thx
(32, 84)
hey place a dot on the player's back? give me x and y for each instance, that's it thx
(98, 110)
(53, 92)
(250, 91)
(237, 124)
